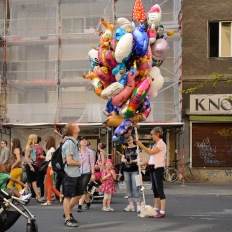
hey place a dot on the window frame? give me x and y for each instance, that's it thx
(219, 39)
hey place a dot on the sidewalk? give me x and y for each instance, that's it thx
(178, 188)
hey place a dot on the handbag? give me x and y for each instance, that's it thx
(43, 167)
(149, 168)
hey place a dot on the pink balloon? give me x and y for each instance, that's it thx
(119, 99)
(145, 63)
(107, 58)
(104, 74)
(159, 49)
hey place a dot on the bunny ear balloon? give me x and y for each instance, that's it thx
(125, 68)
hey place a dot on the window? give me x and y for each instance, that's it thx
(220, 39)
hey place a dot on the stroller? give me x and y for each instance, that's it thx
(11, 208)
(93, 189)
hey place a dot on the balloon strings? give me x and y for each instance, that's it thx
(104, 12)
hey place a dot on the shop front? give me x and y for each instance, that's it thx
(211, 136)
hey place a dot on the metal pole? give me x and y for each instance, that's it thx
(140, 173)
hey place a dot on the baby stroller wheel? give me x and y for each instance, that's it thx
(32, 226)
(91, 198)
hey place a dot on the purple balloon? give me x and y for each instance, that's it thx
(159, 49)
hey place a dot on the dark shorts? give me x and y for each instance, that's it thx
(31, 176)
(72, 186)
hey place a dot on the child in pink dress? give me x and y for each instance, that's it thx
(108, 187)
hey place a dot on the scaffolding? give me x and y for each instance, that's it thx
(43, 56)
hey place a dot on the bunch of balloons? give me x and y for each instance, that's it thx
(125, 68)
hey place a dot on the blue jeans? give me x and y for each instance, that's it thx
(133, 192)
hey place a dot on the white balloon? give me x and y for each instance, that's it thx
(112, 89)
(93, 54)
(124, 47)
(157, 82)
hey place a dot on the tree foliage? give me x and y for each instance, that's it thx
(213, 80)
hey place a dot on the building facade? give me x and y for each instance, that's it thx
(207, 108)
(43, 56)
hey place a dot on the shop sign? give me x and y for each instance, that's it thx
(219, 104)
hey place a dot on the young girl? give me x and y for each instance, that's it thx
(108, 187)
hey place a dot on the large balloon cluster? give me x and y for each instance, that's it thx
(125, 68)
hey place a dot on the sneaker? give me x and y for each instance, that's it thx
(129, 208)
(110, 209)
(105, 209)
(79, 209)
(87, 206)
(138, 209)
(26, 197)
(74, 220)
(70, 223)
(160, 215)
(71, 216)
(126, 197)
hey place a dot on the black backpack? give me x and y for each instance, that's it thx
(57, 159)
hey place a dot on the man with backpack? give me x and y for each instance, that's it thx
(60, 174)
(72, 183)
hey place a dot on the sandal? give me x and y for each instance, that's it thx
(61, 198)
(46, 203)
(39, 200)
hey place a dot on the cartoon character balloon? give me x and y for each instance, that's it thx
(125, 68)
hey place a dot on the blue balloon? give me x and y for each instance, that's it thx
(144, 105)
(123, 131)
(119, 33)
(141, 41)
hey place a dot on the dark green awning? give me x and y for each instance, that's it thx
(210, 118)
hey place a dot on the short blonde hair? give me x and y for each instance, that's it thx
(70, 127)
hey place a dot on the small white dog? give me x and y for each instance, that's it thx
(147, 211)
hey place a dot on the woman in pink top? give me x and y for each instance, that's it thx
(157, 161)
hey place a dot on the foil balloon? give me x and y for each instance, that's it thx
(120, 98)
(93, 58)
(104, 74)
(114, 120)
(106, 36)
(113, 44)
(144, 108)
(153, 20)
(107, 58)
(159, 49)
(124, 47)
(120, 32)
(98, 85)
(115, 87)
(123, 52)
(157, 82)
(139, 94)
(141, 41)
(123, 131)
(144, 64)
(125, 24)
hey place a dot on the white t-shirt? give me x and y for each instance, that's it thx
(49, 155)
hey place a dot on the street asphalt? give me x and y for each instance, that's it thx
(198, 207)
